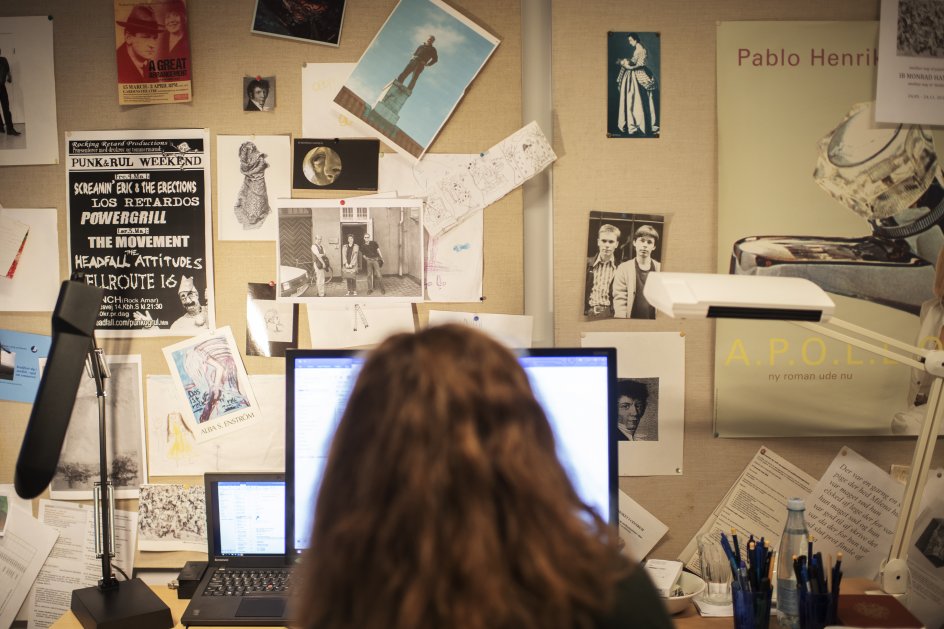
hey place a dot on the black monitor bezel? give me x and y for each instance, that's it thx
(292, 355)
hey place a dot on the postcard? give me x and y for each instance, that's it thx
(152, 52)
(335, 164)
(910, 86)
(19, 364)
(633, 79)
(212, 384)
(312, 22)
(414, 73)
(622, 249)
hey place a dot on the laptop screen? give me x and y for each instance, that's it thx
(246, 515)
(575, 386)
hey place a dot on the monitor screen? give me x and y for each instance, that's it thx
(246, 514)
(575, 386)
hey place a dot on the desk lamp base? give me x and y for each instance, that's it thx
(131, 604)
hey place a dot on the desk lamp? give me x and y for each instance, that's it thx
(112, 603)
(800, 301)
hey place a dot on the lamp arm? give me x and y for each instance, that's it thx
(868, 344)
(894, 574)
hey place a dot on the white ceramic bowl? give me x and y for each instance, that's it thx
(692, 586)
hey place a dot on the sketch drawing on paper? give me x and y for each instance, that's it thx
(252, 202)
(172, 512)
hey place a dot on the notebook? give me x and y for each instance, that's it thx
(246, 578)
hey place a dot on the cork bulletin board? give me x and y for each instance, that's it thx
(223, 52)
(674, 175)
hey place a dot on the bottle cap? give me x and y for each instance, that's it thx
(796, 504)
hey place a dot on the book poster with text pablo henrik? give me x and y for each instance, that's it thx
(810, 186)
(139, 228)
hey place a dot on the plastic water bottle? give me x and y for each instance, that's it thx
(792, 543)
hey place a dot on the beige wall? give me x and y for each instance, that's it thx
(675, 175)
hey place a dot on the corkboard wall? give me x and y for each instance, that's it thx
(675, 175)
(223, 52)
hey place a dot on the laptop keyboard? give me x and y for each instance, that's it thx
(242, 581)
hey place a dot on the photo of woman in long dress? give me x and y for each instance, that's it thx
(634, 105)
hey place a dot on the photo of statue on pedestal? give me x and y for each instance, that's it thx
(414, 73)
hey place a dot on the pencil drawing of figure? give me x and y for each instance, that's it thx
(252, 202)
(180, 446)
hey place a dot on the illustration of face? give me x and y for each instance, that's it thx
(607, 242)
(259, 95)
(173, 22)
(644, 247)
(142, 45)
(190, 300)
(322, 166)
(630, 410)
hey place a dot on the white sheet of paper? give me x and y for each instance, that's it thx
(639, 529)
(173, 451)
(12, 235)
(231, 179)
(927, 577)
(854, 509)
(909, 87)
(172, 517)
(487, 178)
(648, 356)
(768, 481)
(35, 287)
(72, 563)
(320, 82)
(27, 44)
(454, 258)
(23, 550)
(357, 324)
(78, 468)
(513, 330)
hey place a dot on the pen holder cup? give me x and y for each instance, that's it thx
(816, 610)
(715, 570)
(751, 609)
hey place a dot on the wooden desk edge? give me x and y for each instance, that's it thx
(688, 619)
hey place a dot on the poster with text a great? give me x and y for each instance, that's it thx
(849, 205)
(152, 52)
(139, 227)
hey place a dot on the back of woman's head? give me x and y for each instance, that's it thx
(443, 503)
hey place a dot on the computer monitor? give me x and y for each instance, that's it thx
(575, 386)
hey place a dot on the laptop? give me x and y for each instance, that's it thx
(246, 579)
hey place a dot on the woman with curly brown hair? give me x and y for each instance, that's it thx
(443, 505)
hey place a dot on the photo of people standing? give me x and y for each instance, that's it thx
(622, 249)
(373, 252)
(633, 88)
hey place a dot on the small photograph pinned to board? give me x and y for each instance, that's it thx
(350, 164)
(414, 73)
(312, 21)
(633, 74)
(258, 93)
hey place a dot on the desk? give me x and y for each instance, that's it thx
(688, 619)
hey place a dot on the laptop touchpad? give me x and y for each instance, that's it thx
(260, 606)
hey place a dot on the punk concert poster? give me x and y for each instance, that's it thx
(152, 52)
(139, 228)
